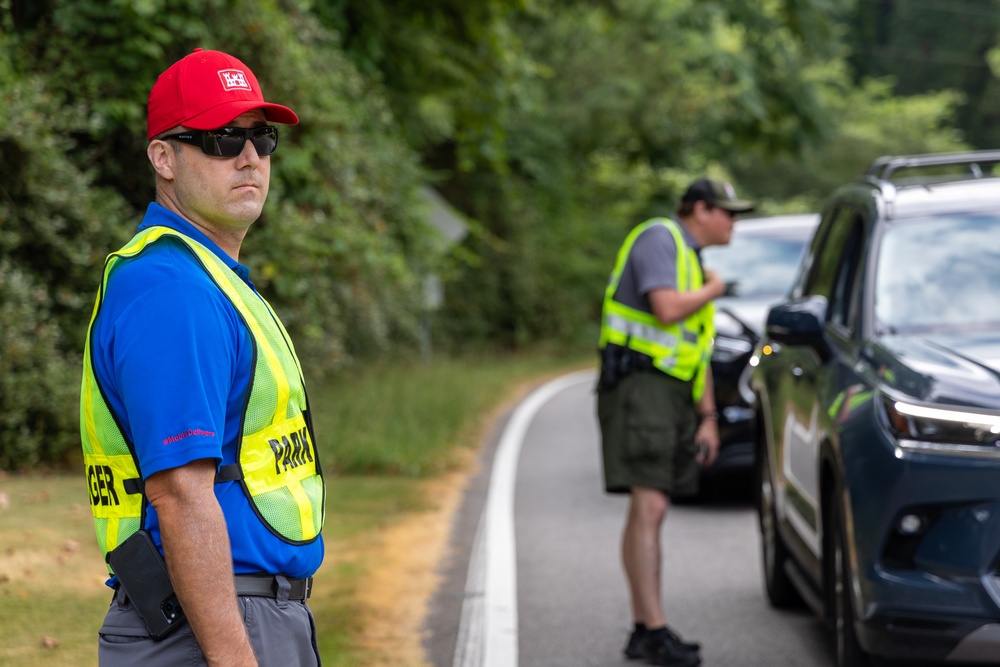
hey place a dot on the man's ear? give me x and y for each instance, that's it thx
(161, 155)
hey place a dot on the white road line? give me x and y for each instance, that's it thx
(487, 633)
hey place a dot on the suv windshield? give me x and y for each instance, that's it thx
(940, 273)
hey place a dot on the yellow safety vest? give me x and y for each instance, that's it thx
(277, 462)
(681, 349)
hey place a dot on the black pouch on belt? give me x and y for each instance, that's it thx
(142, 572)
(610, 367)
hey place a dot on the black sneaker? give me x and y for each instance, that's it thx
(632, 651)
(692, 647)
(662, 648)
(632, 648)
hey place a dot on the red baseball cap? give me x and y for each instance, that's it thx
(205, 90)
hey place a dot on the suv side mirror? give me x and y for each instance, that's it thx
(800, 322)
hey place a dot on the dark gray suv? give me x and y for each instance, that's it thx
(877, 414)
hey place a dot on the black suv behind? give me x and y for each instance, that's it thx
(877, 403)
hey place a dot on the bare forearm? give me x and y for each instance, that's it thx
(199, 560)
(671, 306)
(706, 404)
(707, 436)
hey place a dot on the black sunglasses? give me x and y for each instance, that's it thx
(229, 141)
(731, 214)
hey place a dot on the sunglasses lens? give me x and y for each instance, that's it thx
(224, 142)
(229, 141)
(265, 140)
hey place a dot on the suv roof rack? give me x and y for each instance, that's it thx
(883, 168)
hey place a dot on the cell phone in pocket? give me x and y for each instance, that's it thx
(142, 571)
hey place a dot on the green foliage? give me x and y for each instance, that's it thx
(448, 67)
(552, 125)
(54, 225)
(873, 122)
(925, 47)
(621, 105)
(102, 58)
(38, 381)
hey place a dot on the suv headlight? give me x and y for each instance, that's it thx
(943, 430)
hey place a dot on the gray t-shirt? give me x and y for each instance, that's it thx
(651, 264)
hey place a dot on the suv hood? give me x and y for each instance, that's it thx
(962, 369)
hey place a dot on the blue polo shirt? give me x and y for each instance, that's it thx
(174, 361)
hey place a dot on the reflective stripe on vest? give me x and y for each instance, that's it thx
(279, 466)
(681, 349)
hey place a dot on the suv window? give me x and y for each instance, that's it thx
(844, 296)
(830, 267)
(825, 254)
(939, 274)
(804, 276)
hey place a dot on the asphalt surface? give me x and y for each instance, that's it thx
(572, 604)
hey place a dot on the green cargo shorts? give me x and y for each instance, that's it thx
(648, 423)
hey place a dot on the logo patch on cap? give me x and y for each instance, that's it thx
(234, 79)
(730, 192)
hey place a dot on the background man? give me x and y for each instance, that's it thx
(654, 400)
(194, 417)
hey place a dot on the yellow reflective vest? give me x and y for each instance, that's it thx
(277, 462)
(681, 349)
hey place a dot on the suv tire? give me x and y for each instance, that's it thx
(774, 554)
(840, 600)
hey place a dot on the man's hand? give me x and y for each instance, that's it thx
(714, 283)
(707, 440)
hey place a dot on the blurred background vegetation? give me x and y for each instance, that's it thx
(551, 127)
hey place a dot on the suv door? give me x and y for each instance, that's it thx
(831, 269)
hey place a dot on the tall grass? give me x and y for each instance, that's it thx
(410, 419)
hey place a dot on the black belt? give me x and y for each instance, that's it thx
(619, 361)
(258, 586)
(267, 586)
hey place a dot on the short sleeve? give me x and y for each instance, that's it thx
(169, 352)
(653, 260)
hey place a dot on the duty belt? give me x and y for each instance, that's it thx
(618, 361)
(267, 586)
(257, 586)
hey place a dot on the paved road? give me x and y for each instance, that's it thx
(565, 581)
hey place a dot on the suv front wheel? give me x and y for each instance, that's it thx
(774, 554)
(840, 601)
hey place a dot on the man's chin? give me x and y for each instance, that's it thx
(246, 212)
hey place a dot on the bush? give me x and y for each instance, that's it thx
(39, 385)
(53, 227)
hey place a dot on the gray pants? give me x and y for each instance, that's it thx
(282, 633)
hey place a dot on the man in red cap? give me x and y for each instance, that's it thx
(204, 478)
(654, 399)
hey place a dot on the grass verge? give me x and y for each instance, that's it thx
(396, 443)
